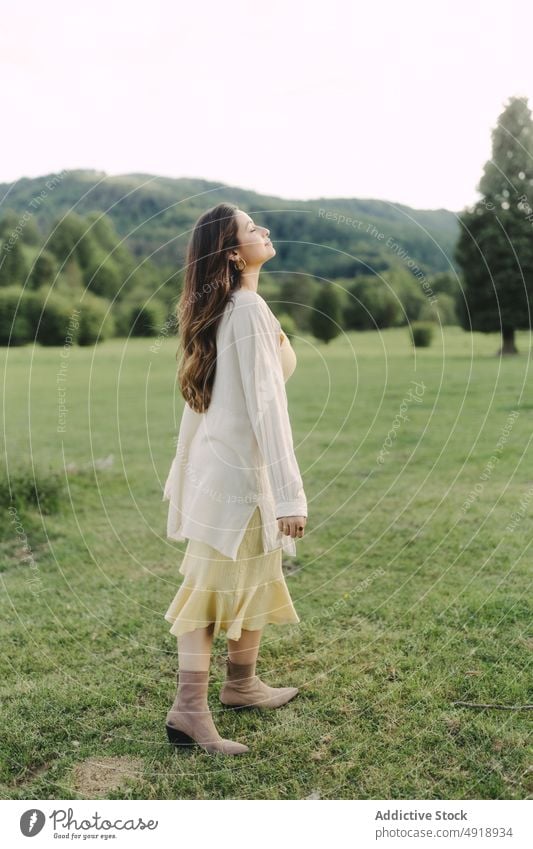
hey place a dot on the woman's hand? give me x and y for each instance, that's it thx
(292, 526)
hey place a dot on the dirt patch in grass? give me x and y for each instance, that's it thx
(98, 776)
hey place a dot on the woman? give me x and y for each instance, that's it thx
(234, 487)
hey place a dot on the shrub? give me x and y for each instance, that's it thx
(421, 333)
(96, 323)
(146, 318)
(49, 315)
(28, 488)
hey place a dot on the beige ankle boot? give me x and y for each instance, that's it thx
(243, 688)
(189, 719)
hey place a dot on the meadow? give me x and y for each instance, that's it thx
(412, 583)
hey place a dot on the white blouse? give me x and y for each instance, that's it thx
(239, 454)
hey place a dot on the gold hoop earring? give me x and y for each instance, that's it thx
(240, 263)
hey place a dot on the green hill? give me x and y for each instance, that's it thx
(155, 214)
(117, 245)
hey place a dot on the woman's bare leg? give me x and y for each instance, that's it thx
(246, 649)
(194, 649)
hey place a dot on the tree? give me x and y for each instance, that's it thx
(410, 292)
(13, 269)
(295, 296)
(15, 325)
(371, 305)
(71, 237)
(43, 271)
(326, 315)
(444, 283)
(102, 276)
(8, 223)
(495, 246)
(19, 226)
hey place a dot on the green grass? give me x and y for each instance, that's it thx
(408, 602)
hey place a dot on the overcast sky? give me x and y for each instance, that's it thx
(308, 99)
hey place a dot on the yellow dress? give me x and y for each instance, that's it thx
(248, 592)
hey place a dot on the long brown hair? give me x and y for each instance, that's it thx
(211, 277)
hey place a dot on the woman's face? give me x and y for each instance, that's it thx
(255, 246)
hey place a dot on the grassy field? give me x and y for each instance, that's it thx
(413, 582)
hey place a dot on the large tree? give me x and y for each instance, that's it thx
(495, 246)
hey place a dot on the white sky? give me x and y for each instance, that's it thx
(391, 100)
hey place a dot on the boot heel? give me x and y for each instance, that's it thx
(177, 737)
(190, 709)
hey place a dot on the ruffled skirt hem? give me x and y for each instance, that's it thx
(245, 594)
(233, 626)
(248, 607)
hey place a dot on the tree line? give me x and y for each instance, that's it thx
(80, 266)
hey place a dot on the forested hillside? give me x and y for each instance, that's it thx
(122, 240)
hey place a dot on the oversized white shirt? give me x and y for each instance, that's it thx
(239, 454)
